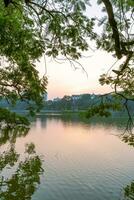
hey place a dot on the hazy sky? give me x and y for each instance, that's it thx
(65, 80)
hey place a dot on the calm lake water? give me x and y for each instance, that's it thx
(81, 162)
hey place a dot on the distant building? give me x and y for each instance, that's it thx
(45, 96)
(76, 97)
(56, 99)
(93, 96)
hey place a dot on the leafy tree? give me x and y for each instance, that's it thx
(25, 171)
(117, 36)
(32, 28)
(24, 182)
(129, 191)
(29, 30)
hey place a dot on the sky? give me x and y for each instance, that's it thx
(65, 80)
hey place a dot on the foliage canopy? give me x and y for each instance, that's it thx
(31, 28)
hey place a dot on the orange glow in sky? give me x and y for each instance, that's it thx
(65, 80)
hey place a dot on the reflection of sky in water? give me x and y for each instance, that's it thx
(81, 161)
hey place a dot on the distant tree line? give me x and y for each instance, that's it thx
(91, 103)
(74, 102)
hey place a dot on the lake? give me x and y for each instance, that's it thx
(65, 160)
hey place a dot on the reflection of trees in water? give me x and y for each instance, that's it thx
(9, 157)
(128, 138)
(43, 122)
(120, 123)
(128, 191)
(80, 118)
(24, 181)
(10, 134)
(40, 122)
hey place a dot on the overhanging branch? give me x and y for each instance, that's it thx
(113, 25)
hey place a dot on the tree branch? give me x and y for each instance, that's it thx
(128, 43)
(113, 25)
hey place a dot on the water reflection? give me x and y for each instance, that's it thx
(10, 134)
(83, 160)
(128, 138)
(129, 191)
(67, 119)
(9, 157)
(24, 175)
